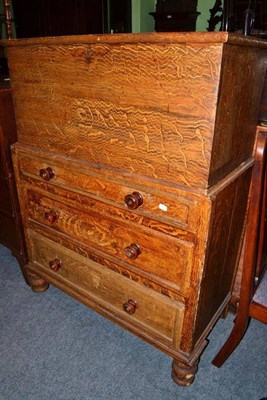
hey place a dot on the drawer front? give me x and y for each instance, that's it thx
(178, 210)
(165, 258)
(153, 312)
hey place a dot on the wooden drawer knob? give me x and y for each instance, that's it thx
(130, 307)
(51, 216)
(55, 264)
(47, 173)
(132, 251)
(133, 201)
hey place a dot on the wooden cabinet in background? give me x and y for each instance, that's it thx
(238, 8)
(235, 16)
(175, 16)
(11, 230)
(70, 17)
(263, 109)
(61, 17)
(133, 167)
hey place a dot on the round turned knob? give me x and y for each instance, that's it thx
(51, 216)
(47, 173)
(130, 307)
(133, 201)
(55, 264)
(132, 251)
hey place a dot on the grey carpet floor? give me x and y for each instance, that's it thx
(54, 348)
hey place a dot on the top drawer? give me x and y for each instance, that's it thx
(181, 210)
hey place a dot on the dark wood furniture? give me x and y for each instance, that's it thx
(253, 293)
(259, 9)
(263, 109)
(133, 167)
(175, 16)
(11, 230)
(62, 17)
(71, 17)
(118, 16)
(6, 18)
(248, 17)
(262, 121)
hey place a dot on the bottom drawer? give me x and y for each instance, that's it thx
(125, 301)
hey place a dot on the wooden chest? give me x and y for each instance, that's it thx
(133, 166)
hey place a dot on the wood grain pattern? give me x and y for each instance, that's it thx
(155, 312)
(106, 210)
(237, 111)
(118, 266)
(228, 218)
(170, 116)
(162, 38)
(160, 117)
(181, 210)
(123, 103)
(170, 259)
(128, 270)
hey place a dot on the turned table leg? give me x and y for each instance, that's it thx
(37, 284)
(184, 374)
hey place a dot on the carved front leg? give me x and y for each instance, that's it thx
(37, 284)
(184, 374)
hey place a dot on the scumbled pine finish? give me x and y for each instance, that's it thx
(133, 166)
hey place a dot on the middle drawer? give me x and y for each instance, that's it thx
(164, 257)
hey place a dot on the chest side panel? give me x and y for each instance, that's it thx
(228, 215)
(242, 81)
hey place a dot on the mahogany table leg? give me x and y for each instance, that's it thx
(231, 343)
(184, 374)
(37, 284)
(253, 249)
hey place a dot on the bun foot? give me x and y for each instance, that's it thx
(183, 374)
(37, 284)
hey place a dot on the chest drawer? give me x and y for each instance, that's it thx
(128, 301)
(177, 209)
(161, 256)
